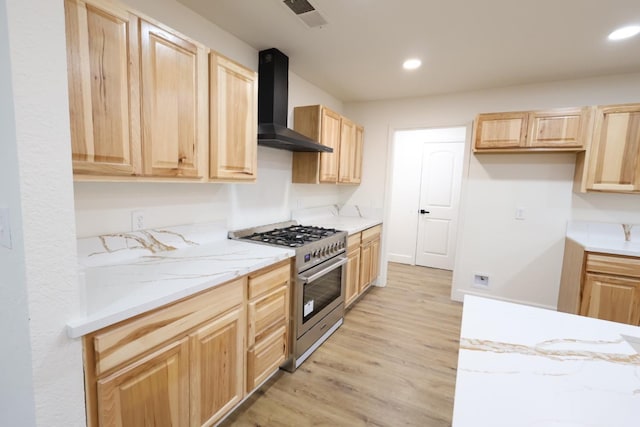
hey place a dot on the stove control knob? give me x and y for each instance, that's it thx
(315, 254)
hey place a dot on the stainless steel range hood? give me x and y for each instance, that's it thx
(273, 98)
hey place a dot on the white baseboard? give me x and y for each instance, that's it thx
(401, 259)
(458, 295)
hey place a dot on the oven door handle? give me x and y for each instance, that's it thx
(339, 263)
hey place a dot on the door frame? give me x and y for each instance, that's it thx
(389, 180)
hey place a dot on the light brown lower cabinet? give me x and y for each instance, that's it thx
(611, 298)
(363, 264)
(189, 363)
(603, 286)
(268, 319)
(352, 282)
(155, 387)
(216, 368)
(369, 256)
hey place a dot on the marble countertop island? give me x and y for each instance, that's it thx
(524, 366)
(125, 274)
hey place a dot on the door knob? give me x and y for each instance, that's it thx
(422, 211)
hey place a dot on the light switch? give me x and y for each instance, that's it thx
(5, 228)
(520, 214)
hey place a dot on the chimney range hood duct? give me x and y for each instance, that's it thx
(273, 97)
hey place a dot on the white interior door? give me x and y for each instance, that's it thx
(439, 199)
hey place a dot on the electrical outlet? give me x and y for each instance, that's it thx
(481, 281)
(520, 213)
(5, 228)
(137, 220)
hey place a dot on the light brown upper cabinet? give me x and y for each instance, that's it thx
(350, 158)
(357, 167)
(174, 103)
(564, 129)
(613, 162)
(329, 128)
(137, 95)
(103, 76)
(233, 120)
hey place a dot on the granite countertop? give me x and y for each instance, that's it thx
(604, 238)
(351, 219)
(526, 366)
(125, 274)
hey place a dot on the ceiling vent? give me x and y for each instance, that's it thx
(306, 12)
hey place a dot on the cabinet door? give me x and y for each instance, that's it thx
(357, 167)
(352, 285)
(174, 103)
(375, 259)
(217, 361)
(611, 298)
(330, 136)
(102, 59)
(265, 357)
(365, 266)
(233, 120)
(562, 129)
(500, 130)
(347, 155)
(152, 392)
(267, 313)
(614, 163)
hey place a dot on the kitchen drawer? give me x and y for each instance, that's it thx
(267, 355)
(266, 280)
(132, 338)
(612, 264)
(267, 313)
(353, 241)
(371, 233)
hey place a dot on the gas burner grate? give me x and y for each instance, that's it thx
(293, 236)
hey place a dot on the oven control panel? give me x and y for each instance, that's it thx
(315, 253)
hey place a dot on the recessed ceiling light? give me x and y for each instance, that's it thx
(411, 64)
(625, 32)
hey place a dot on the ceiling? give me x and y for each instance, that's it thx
(464, 44)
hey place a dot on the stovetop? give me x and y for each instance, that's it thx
(313, 245)
(292, 236)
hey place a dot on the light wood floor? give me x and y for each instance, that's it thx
(392, 363)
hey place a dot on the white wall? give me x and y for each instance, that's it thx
(106, 207)
(17, 406)
(523, 258)
(43, 221)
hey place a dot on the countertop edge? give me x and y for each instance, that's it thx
(589, 247)
(80, 326)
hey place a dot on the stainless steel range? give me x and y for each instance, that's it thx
(318, 292)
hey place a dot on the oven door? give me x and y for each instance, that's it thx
(319, 291)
